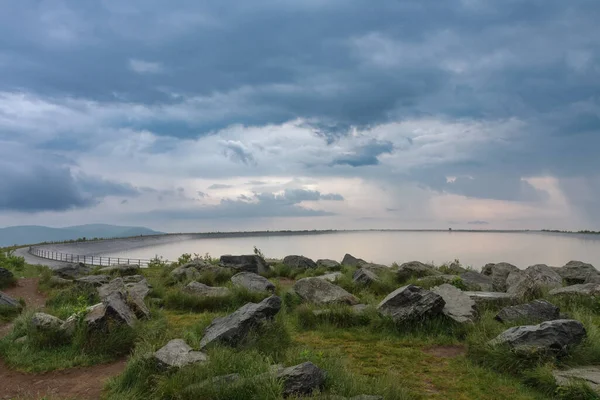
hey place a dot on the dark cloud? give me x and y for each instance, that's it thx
(202, 195)
(365, 155)
(238, 152)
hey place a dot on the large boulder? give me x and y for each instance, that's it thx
(113, 308)
(121, 269)
(248, 263)
(194, 270)
(533, 281)
(364, 276)
(332, 277)
(232, 329)
(252, 282)
(492, 299)
(584, 289)
(72, 271)
(7, 301)
(176, 354)
(415, 269)
(299, 262)
(352, 261)
(328, 264)
(200, 289)
(459, 306)
(46, 322)
(116, 285)
(411, 303)
(320, 291)
(498, 273)
(555, 336)
(93, 280)
(301, 379)
(537, 311)
(476, 281)
(575, 272)
(589, 375)
(133, 294)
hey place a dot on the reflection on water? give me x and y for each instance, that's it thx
(471, 248)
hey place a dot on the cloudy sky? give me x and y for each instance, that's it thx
(300, 114)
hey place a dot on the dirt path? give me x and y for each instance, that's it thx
(73, 383)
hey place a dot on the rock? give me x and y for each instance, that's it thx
(72, 271)
(411, 303)
(117, 309)
(57, 281)
(139, 289)
(584, 289)
(122, 269)
(252, 282)
(498, 274)
(533, 281)
(455, 269)
(182, 274)
(536, 311)
(592, 278)
(133, 278)
(553, 336)
(45, 322)
(589, 375)
(248, 263)
(377, 269)
(544, 276)
(352, 261)
(492, 299)
(329, 264)
(301, 379)
(200, 289)
(332, 277)
(136, 293)
(320, 291)
(477, 281)
(116, 285)
(364, 276)
(415, 269)
(94, 280)
(436, 280)
(299, 262)
(459, 306)
(233, 328)
(575, 272)
(6, 275)
(95, 317)
(7, 301)
(176, 354)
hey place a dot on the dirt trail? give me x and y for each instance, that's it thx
(74, 383)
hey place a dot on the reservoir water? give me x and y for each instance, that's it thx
(385, 247)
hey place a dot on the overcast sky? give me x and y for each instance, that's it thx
(300, 114)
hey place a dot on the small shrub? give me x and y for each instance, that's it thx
(339, 316)
(176, 299)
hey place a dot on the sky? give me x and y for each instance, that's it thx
(219, 115)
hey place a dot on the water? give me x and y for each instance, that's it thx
(471, 248)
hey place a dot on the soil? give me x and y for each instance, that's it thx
(446, 351)
(74, 383)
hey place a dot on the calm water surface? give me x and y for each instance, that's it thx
(471, 248)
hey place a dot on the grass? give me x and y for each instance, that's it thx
(176, 299)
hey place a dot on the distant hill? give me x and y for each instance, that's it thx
(30, 234)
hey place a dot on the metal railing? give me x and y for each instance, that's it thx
(89, 260)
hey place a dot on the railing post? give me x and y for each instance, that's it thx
(108, 260)
(100, 260)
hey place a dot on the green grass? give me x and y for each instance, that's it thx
(176, 299)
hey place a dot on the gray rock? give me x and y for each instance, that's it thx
(232, 329)
(477, 281)
(364, 276)
(329, 264)
(536, 311)
(576, 272)
(436, 280)
(554, 336)
(299, 262)
(498, 274)
(320, 291)
(352, 261)
(7, 301)
(95, 317)
(332, 277)
(592, 278)
(584, 289)
(200, 289)
(455, 269)
(301, 379)
(133, 278)
(116, 308)
(533, 281)
(544, 276)
(45, 322)
(248, 263)
(411, 303)
(116, 285)
(176, 354)
(122, 269)
(93, 280)
(377, 269)
(72, 271)
(252, 282)
(459, 306)
(589, 375)
(183, 273)
(492, 299)
(139, 289)
(415, 269)
(136, 293)
(57, 281)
